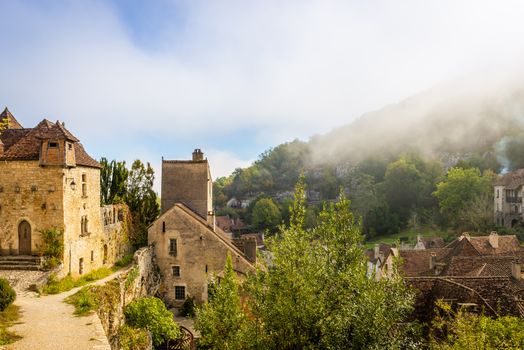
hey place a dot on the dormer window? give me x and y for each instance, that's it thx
(70, 146)
(53, 145)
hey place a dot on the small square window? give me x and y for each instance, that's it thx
(53, 144)
(176, 271)
(180, 292)
(70, 146)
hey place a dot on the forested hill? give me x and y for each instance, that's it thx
(475, 122)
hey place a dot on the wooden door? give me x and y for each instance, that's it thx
(24, 238)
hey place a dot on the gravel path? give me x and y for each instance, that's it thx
(47, 323)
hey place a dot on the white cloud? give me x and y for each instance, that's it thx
(287, 69)
(222, 163)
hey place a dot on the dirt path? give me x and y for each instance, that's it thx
(47, 323)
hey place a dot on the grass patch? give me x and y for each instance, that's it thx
(84, 301)
(407, 236)
(55, 286)
(126, 260)
(8, 317)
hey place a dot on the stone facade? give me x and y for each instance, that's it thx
(188, 246)
(48, 181)
(508, 194)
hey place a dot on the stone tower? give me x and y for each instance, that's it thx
(188, 182)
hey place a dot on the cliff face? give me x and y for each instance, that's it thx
(140, 280)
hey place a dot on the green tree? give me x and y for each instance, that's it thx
(142, 200)
(265, 215)
(151, 314)
(459, 191)
(221, 320)
(315, 288)
(468, 331)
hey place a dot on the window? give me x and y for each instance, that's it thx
(53, 145)
(498, 193)
(163, 226)
(84, 185)
(176, 271)
(83, 224)
(81, 266)
(172, 247)
(70, 146)
(92, 256)
(180, 292)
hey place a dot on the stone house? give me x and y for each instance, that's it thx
(481, 273)
(508, 198)
(47, 180)
(189, 248)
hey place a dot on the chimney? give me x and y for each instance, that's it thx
(250, 248)
(198, 155)
(494, 239)
(516, 270)
(432, 261)
(377, 251)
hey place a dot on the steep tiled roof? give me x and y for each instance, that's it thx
(12, 123)
(416, 262)
(24, 144)
(512, 180)
(506, 244)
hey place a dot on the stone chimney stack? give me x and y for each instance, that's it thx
(377, 251)
(432, 261)
(494, 239)
(198, 155)
(516, 270)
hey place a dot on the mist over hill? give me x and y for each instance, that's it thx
(472, 114)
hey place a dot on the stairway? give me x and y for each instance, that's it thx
(21, 262)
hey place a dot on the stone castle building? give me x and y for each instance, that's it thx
(47, 180)
(508, 198)
(188, 246)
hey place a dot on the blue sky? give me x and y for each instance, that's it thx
(146, 79)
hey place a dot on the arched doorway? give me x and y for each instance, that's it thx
(24, 238)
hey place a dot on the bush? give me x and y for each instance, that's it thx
(55, 286)
(151, 314)
(188, 308)
(83, 300)
(7, 294)
(131, 338)
(124, 261)
(52, 247)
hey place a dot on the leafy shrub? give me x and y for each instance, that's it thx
(189, 307)
(7, 294)
(151, 314)
(84, 301)
(124, 261)
(131, 277)
(52, 247)
(131, 338)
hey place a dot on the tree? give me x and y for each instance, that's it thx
(315, 288)
(221, 320)
(265, 215)
(459, 190)
(463, 330)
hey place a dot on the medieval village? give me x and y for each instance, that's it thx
(261, 174)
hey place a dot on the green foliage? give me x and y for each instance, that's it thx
(151, 314)
(52, 247)
(135, 188)
(266, 215)
(131, 277)
(55, 286)
(463, 330)
(84, 301)
(460, 190)
(131, 338)
(8, 317)
(7, 294)
(314, 293)
(221, 320)
(188, 309)
(124, 261)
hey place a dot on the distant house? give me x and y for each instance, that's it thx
(425, 242)
(508, 199)
(380, 261)
(483, 273)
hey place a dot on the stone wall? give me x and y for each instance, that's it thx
(140, 280)
(29, 193)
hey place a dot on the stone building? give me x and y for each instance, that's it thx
(47, 180)
(508, 198)
(188, 246)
